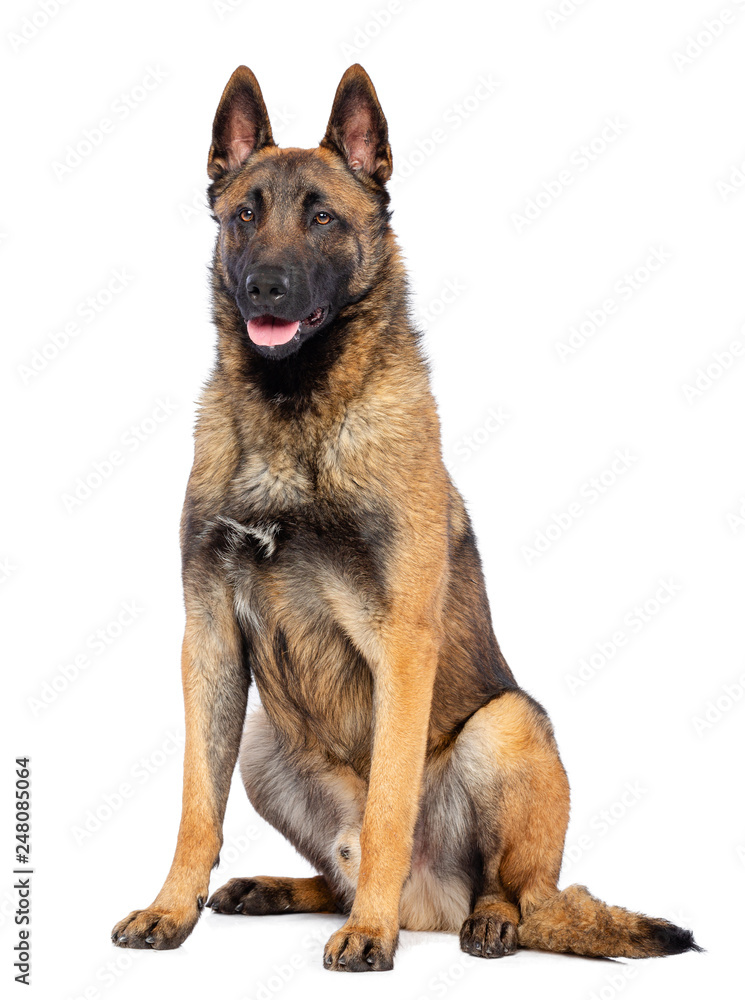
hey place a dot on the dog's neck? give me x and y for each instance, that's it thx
(331, 368)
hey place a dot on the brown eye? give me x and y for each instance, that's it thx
(247, 215)
(322, 218)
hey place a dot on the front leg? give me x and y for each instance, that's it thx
(404, 680)
(215, 681)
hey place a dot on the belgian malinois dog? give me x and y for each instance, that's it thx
(328, 555)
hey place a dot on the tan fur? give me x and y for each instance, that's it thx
(328, 556)
(575, 921)
(210, 637)
(534, 800)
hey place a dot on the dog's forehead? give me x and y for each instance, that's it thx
(289, 176)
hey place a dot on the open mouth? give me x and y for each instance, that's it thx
(269, 331)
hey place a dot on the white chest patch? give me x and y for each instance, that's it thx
(265, 535)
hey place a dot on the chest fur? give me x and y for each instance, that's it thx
(308, 572)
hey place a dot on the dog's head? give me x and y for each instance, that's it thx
(300, 229)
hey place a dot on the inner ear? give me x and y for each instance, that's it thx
(357, 128)
(241, 126)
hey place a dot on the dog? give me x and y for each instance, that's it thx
(328, 556)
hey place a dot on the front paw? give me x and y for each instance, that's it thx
(156, 928)
(360, 949)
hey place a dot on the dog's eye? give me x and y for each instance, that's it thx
(322, 218)
(247, 215)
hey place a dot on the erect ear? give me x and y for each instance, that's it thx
(241, 125)
(357, 128)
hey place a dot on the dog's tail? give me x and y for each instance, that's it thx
(575, 921)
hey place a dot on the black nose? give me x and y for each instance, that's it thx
(266, 288)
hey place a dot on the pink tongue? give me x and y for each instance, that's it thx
(269, 332)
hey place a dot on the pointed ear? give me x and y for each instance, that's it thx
(357, 128)
(241, 125)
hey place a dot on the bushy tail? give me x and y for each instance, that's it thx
(575, 921)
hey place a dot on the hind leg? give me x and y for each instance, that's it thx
(506, 756)
(490, 931)
(317, 807)
(263, 894)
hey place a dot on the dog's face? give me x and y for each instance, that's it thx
(299, 229)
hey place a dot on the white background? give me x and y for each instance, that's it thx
(675, 845)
